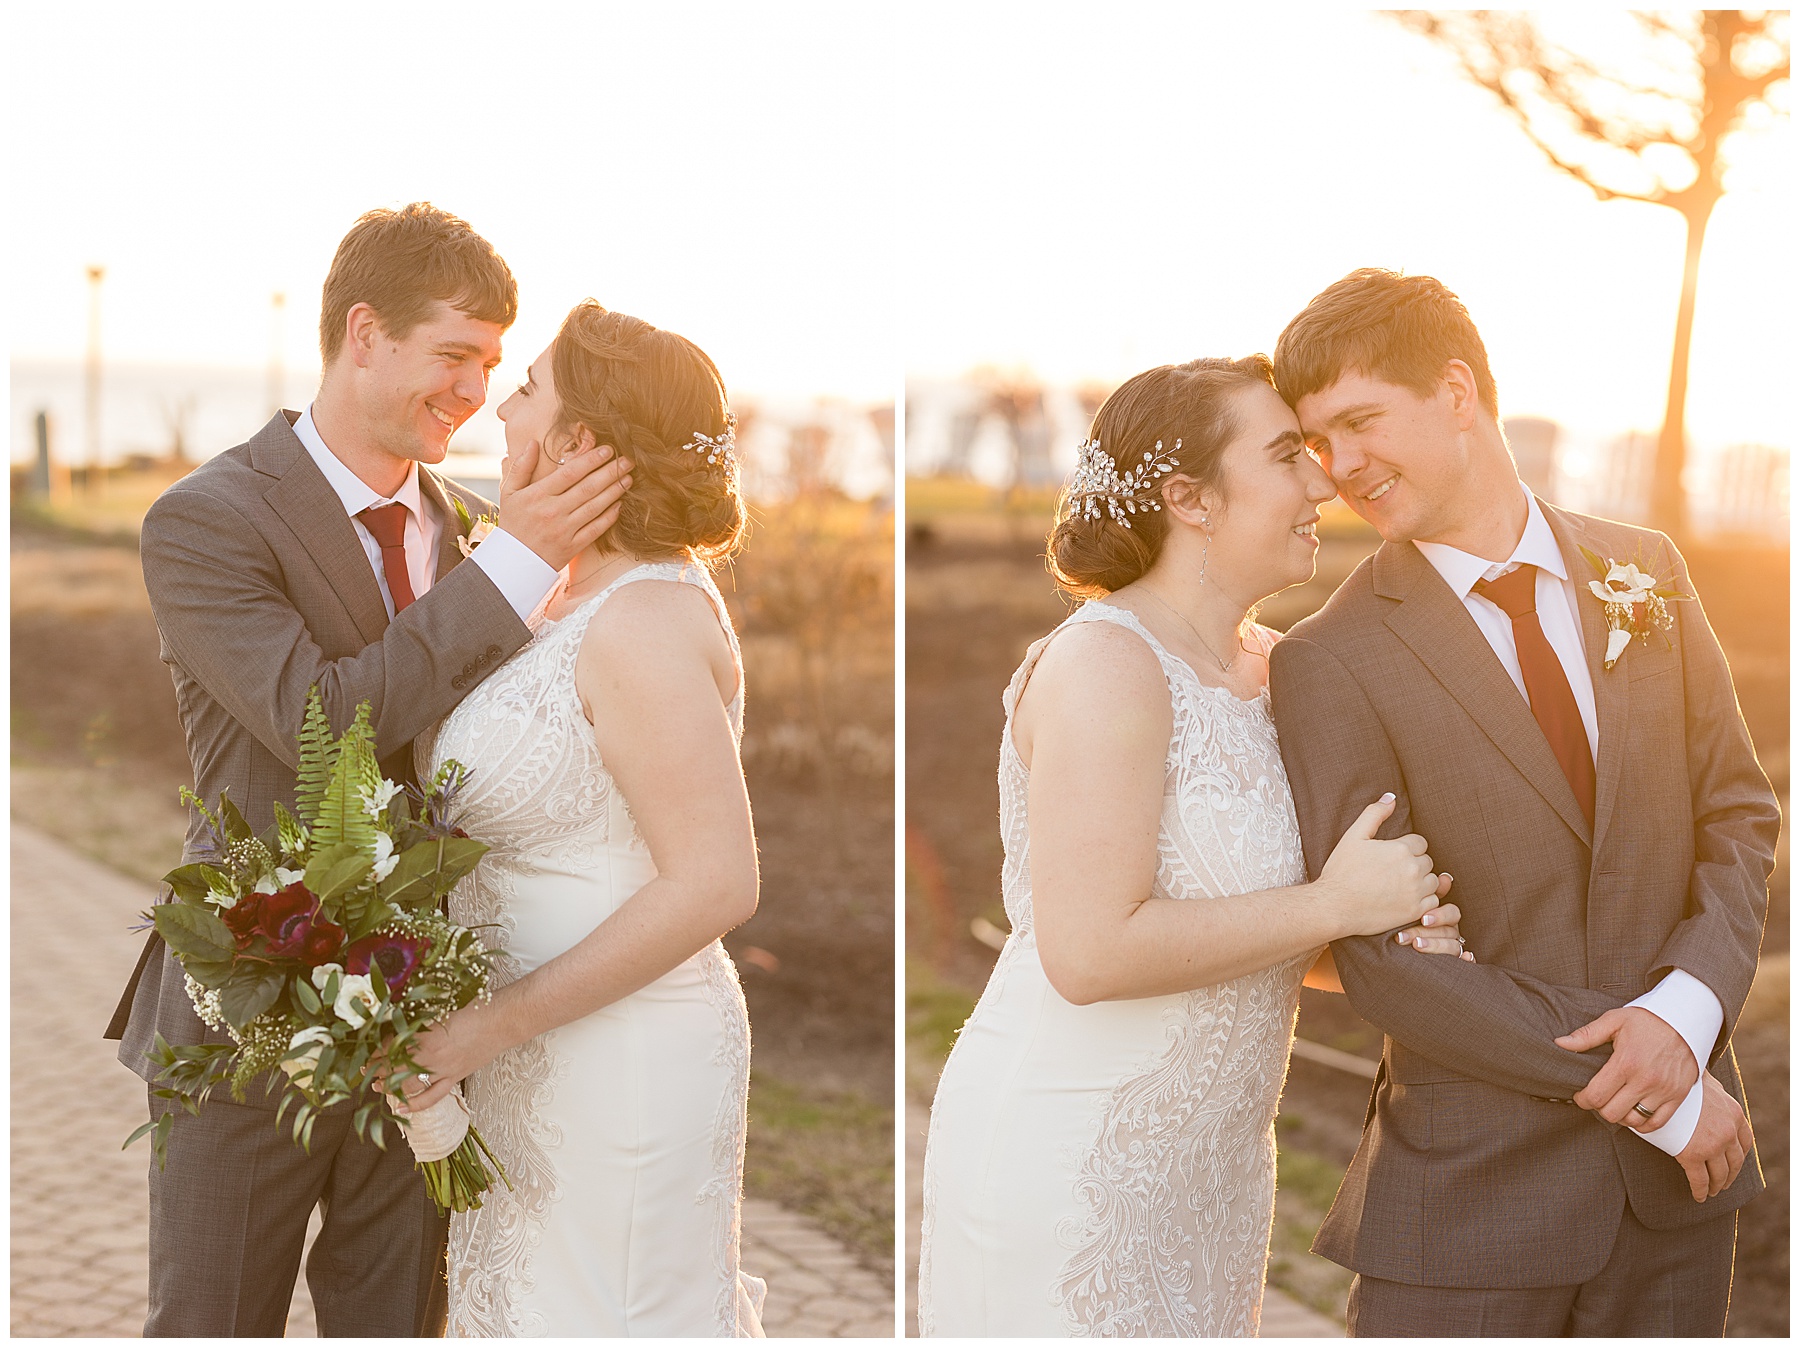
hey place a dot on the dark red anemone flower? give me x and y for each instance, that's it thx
(396, 956)
(291, 923)
(243, 916)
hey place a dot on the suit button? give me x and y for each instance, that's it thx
(458, 682)
(491, 653)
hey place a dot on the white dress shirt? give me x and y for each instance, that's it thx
(522, 577)
(1680, 999)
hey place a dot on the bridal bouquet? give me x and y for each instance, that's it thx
(320, 949)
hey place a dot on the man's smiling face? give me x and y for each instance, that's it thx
(1399, 460)
(423, 386)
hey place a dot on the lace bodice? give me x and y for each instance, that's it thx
(1228, 823)
(542, 790)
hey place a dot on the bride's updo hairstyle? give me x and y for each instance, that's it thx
(1090, 552)
(648, 394)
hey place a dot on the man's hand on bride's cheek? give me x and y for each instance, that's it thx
(448, 1052)
(1438, 932)
(1651, 1065)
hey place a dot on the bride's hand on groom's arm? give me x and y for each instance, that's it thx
(1651, 1064)
(1722, 1139)
(1439, 932)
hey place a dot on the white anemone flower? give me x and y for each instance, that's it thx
(377, 800)
(322, 973)
(385, 860)
(275, 882)
(356, 1000)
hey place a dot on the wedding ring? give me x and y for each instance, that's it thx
(1461, 944)
(425, 1080)
(1647, 1113)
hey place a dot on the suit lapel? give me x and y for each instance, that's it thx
(1435, 626)
(305, 500)
(1611, 693)
(438, 497)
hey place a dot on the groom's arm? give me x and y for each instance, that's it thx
(1736, 823)
(1478, 1019)
(221, 602)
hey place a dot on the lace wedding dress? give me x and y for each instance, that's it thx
(1110, 1169)
(622, 1132)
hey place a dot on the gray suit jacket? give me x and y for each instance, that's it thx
(260, 590)
(1474, 1170)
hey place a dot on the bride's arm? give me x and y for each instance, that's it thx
(655, 672)
(1095, 723)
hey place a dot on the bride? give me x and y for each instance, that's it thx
(1101, 1158)
(610, 1069)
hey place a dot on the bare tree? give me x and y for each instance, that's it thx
(1649, 125)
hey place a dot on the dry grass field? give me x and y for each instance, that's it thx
(97, 757)
(977, 594)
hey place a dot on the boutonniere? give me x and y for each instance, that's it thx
(1636, 604)
(473, 530)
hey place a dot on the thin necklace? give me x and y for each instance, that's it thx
(1224, 668)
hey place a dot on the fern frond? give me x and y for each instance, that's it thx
(318, 757)
(355, 773)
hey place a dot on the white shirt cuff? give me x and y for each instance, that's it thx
(1693, 1011)
(522, 577)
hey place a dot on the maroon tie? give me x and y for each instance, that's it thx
(388, 524)
(1552, 700)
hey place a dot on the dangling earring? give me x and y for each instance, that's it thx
(1205, 547)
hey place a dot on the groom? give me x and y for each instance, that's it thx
(324, 552)
(1557, 1142)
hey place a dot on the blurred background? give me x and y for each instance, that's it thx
(1092, 197)
(182, 186)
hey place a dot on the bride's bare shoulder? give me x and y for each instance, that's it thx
(1098, 663)
(653, 619)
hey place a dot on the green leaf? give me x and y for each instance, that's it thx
(304, 994)
(232, 822)
(209, 973)
(462, 515)
(426, 871)
(335, 869)
(194, 929)
(193, 882)
(460, 856)
(364, 912)
(249, 992)
(1595, 561)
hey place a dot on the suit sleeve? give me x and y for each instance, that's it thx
(1478, 1019)
(1736, 823)
(221, 604)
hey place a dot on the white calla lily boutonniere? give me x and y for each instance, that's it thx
(473, 530)
(1636, 604)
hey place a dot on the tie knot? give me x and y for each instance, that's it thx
(387, 523)
(1515, 592)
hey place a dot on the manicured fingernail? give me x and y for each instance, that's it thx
(1427, 920)
(1387, 796)
(1400, 936)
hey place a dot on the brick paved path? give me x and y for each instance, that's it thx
(79, 1203)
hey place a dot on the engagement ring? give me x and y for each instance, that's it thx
(425, 1080)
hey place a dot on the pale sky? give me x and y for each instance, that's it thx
(721, 170)
(1092, 191)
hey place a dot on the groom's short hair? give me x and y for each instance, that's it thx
(400, 263)
(1403, 329)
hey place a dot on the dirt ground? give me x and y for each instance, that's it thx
(977, 595)
(97, 757)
